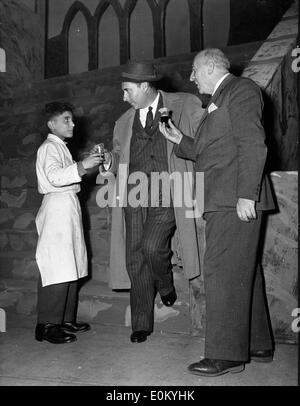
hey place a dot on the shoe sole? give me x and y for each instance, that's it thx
(140, 341)
(77, 331)
(54, 342)
(233, 370)
(263, 360)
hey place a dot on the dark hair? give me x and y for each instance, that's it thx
(56, 108)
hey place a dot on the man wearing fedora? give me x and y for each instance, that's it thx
(140, 254)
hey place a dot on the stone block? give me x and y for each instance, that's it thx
(89, 309)
(20, 198)
(27, 303)
(285, 28)
(81, 92)
(17, 219)
(9, 299)
(22, 241)
(18, 265)
(24, 221)
(100, 270)
(100, 244)
(6, 266)
(25, 269)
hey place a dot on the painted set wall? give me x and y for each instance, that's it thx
(216, 30)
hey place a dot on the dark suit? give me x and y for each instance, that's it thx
(148, 229)
(230, 149)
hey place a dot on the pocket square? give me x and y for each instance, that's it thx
(212, 107)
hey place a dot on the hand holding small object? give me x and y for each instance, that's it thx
(164, 116)
(172, 133)
(91, 161)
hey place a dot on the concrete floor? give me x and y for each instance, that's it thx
(104, 356)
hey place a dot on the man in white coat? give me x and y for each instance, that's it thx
(61, 251)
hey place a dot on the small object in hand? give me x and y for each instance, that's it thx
(164, 116)
(101, 150)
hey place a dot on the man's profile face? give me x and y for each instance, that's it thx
(200, 76)
(135, 94)
(62, 125)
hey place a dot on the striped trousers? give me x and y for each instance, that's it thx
(148, 260)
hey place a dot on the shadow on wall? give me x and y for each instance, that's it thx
(274, 159)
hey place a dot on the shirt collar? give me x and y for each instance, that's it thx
(153, 105)
(219, 82)
(55, 138)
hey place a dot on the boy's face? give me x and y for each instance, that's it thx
(62, 125)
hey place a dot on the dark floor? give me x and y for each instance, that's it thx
(105, 356)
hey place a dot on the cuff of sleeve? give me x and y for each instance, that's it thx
(180, 148)
(80, 168)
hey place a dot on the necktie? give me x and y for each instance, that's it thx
(149, 119)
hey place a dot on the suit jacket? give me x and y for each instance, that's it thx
(187, 112)
(230, 147)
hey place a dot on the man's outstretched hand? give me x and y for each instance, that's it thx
(172, 133)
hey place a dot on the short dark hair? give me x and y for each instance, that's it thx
(56, 108)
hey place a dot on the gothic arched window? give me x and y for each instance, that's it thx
(78, 45)
(108, 39)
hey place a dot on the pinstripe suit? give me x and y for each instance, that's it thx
(148, 229)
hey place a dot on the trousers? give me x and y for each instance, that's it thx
(148, 260)
(57, 304)
(237, 319)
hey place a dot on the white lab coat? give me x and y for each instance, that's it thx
(61, 251)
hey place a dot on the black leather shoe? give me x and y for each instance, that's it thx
(262, 355)
(76, 327)
(139, 336)
(169, 299)
(53, 333)
(215, 367)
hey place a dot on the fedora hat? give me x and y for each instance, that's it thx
(140, 72)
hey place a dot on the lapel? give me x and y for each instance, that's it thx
(160, 104)
(127, 131)
(174, 105)
(219, 91)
